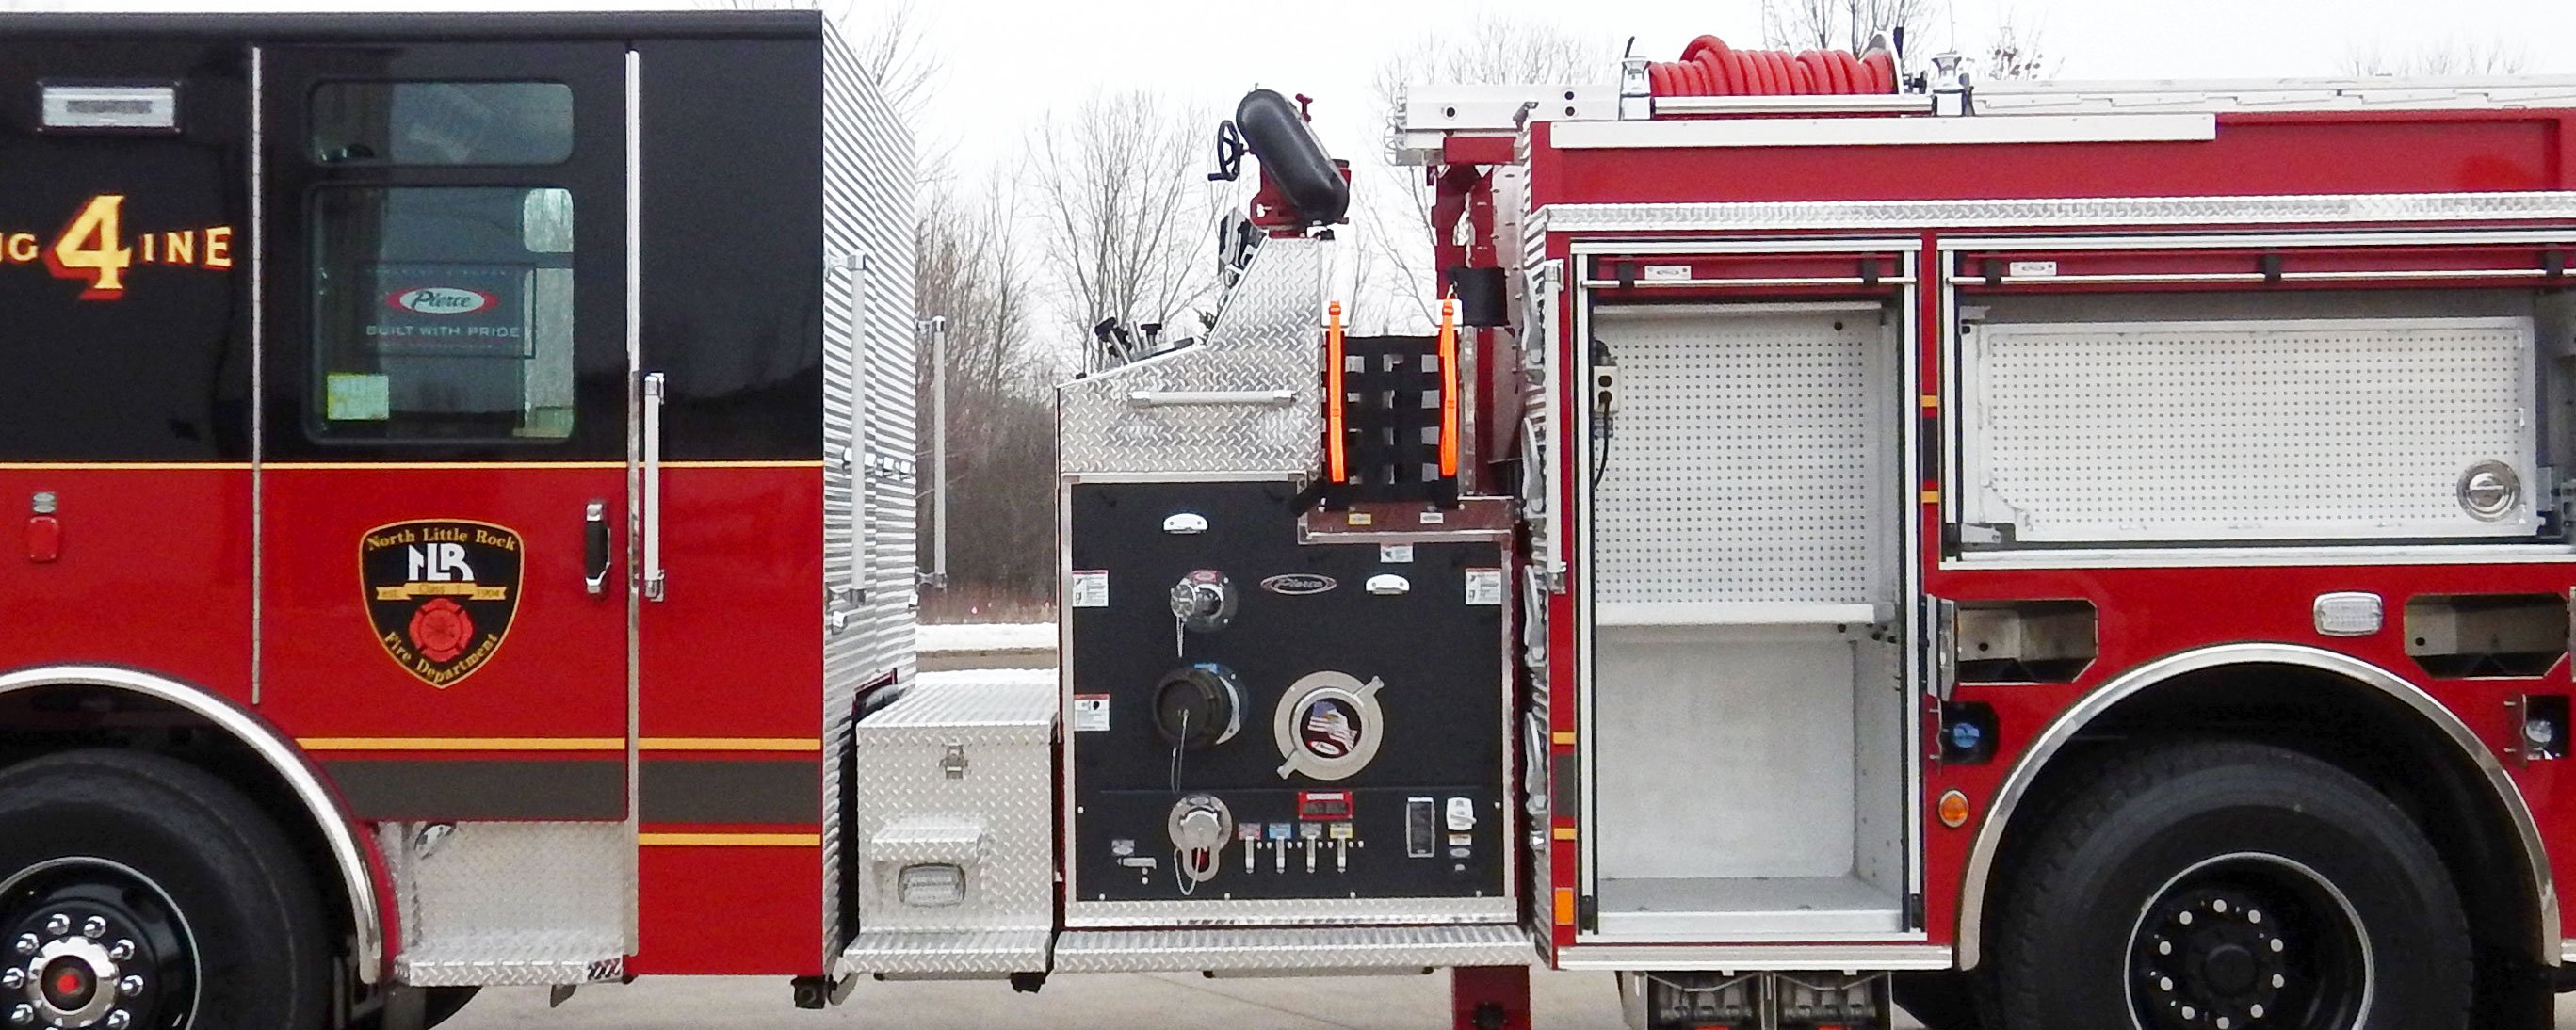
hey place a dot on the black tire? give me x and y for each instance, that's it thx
(1939, 1001)
(2211, 877)
(201, 888)
(438, 1005)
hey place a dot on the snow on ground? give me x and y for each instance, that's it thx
(985, 636)
(989, 677)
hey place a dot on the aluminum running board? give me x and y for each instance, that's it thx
(963, 955)
(1292, 949)
(514, 959)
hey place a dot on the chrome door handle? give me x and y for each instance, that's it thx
(655, 581)
(595, 563)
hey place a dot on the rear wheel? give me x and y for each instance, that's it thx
(2229, 886)
(140, 893)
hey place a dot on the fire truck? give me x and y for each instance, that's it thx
(2041, 555)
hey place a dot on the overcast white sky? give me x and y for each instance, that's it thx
(1002, 63)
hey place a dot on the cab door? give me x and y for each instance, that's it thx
(444, 478)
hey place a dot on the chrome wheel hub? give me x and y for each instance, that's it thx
(89, 944)
(2249, 941)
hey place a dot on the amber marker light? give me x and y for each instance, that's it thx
(1953, 809)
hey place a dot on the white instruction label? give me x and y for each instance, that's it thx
(1090, 713)
(2034, 269)
(1667, 273)
(1484, 586)
(1395, 554)
(1089, 589)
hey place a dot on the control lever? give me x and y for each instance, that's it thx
(595, 548)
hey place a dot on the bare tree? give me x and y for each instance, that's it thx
(1000, 415)
(1847, 24)
(2015, 52)
(2456, 56)
(1120, 207)
(1395, 290)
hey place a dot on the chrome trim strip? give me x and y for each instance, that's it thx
(634, 493)
(357, 875)
(1728, 958)
(259, 370)
(2075, 213)
(1974, 881)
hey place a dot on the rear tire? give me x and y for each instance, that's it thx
(2211, 881)
(119, 853)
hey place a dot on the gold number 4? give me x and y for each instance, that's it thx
(92, 247)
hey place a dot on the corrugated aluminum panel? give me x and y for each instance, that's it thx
(869, 345)
(2160, 432)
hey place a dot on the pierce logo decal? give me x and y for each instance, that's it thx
(440, 300)
(1299, 584)
(440, 593)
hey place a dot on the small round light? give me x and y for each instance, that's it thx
(1953, 809)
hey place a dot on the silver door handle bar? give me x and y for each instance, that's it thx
(1210, 398)
(654, 579)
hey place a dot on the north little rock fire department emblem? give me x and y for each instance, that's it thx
(440, 593)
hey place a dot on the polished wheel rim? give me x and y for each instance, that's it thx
(86, 942)
(2245, 941)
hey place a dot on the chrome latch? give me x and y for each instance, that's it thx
(953, 764)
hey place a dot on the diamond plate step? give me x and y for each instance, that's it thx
(932, 953)
(1291, 949)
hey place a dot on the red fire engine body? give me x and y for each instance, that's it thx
(2044, 555)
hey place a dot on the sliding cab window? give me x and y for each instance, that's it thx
(442, 123)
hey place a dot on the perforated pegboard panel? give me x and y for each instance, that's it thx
(2250, 430)
(1745, 459)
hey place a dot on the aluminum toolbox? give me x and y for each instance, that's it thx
(953, 783)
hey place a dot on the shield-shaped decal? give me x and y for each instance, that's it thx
(440, 593)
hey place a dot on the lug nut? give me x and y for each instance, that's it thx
(121, 950)
(57, 925)
(12, 978)
(26, 944)
(131, 986)
(22, 1014)
(93, 927)
(119, 1019)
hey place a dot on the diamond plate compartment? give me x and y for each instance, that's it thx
(1292, 949)
(961, 773)
(1267, 337)
(511, 903)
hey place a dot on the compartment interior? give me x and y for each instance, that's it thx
(1749, 710)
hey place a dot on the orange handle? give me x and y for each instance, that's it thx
(1449, 388)
(1335, 464)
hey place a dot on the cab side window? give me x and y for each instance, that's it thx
(442, 313)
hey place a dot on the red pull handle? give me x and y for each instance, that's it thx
(44, 539)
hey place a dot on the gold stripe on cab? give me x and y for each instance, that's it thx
(730, 840)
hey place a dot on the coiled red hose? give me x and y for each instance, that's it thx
(1710, 68)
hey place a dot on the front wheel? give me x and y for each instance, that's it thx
(140, 893)
(2231, 886)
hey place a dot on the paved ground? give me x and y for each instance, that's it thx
(1172, 1001)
